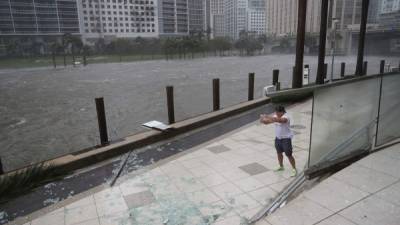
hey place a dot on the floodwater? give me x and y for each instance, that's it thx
(48, 112)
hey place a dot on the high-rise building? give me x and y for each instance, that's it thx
(348, 13)
(181, 17)
(389, 15)
(256, 17)
(235, 17)
(217, 18)
(282, 16)
(38, 17)
(197, 21)
(110, 19)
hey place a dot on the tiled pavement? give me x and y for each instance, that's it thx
(223, 181)
(365, 193)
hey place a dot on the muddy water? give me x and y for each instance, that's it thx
(49, 112)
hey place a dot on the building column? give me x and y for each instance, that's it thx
(363, 27)
(301, 28)
(322, 42)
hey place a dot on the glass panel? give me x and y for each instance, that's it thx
(388, 127)
(342, 120)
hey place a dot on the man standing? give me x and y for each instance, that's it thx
(283, 139)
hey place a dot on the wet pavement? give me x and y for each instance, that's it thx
(365, 193)
(225, 180)
(47, 113)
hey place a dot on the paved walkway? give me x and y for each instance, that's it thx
(365, 193)
(223, 181)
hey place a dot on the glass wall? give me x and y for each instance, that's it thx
(343, 120)
(389, 123)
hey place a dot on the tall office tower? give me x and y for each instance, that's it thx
(348, 13)
(235, 17)
(256, 17)
(111, 19)
(282, 16)
(173, 17)
(373, 11)
(217, 18)
(389, 15)
(38, 17)
(197, 16)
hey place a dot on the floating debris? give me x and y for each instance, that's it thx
(50, 201)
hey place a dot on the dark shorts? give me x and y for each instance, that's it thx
(284, 145)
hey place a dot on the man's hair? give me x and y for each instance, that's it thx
(280, 108)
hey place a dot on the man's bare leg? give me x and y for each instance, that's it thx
(280, 159)
(292, 161)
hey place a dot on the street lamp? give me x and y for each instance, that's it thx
(333, 44)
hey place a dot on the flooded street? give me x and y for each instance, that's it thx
(49, 112)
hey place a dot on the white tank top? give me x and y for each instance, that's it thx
(282, 130)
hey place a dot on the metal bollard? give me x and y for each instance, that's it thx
(84, 60)
(342, 69)
(325, 70)
(382, 67)
(278, 86)
(1, 167)
(293, 76)
(54, 60)
(251, 86)
(275, 77)
(216, 102)
(65, 60)
(101, 118)
(365, 67)
(170, 104)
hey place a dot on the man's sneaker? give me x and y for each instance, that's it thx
(280, 168)
(294, 173)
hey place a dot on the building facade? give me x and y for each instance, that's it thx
(389, 15)
(182, 17)
(197, 16)
(217, 22)
(111, 19)
(235, 17)
(256, 17)
(281, 17)
(38, 17)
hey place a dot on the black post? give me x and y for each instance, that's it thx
(325, 70)
(342, 69)
(84, 60)
(361, 40)
(251, 86)
(170, 104)
(275, 77)
(278, 86)
(101, 118)
(365, 68)
(293, 75)
(53, 56)
(322, 42)
(301, 31)
(216, 105)
(73, 60)
(1, 167)
(382, 67)
(65, 60)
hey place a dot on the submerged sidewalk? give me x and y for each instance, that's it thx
(224, 181)
(365, 193)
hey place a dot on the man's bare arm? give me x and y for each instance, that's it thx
(278, 120)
